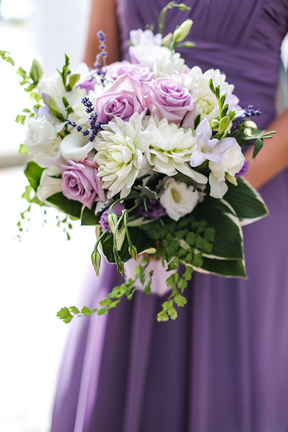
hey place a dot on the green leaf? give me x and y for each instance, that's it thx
(35, 72)
(180, 300)
(35, 96)
(23, 149)
(72, 208)
(172, 313)
(228, 241)
(33, 172)
(6, 57)
(20, 119)
(86, 311)
(258, 146)
(246, 202)
(231, 268)
(88, 216)
(162, 316)
(51, 103)
(73, 79)
(74, 310)
(172, 279)
(65, 315)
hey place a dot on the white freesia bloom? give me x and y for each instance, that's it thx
(209, 149)
(160, 60)
(75, 146)
(50, 184)
(178, 199)
(170, 148)
(120, 157)
(42, 140)
(206, 103)
(232, 162)
(140, 37)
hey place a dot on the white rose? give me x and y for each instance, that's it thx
(178, 199)
(42, 140)
(160, 60)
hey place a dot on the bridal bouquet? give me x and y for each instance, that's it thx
(148, 152)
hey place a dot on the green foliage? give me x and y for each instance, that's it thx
(7, 58)
(33, 172)
(23, 149)
(35, 72)
(72, 208)
(88, 216)
(163, 13)
(68, 80)
(20, 119)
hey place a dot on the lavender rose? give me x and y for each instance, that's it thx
(140, 72)
(172, 100)
(80, 182)
(124, 98)
(117, 209)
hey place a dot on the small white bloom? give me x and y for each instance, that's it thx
(160, 60)
(232, 162)
(120, 157)
(178, 199)
(75, 146)
(206, 103)
(170, 148)
(140, 37)
(42, 140)
(50, 184)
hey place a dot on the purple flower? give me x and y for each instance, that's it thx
(123, 99)
(243, 170)
(88, 85)
(140, 72)
(117, 209)
(172, 100)
(80, 182)
(154, 210)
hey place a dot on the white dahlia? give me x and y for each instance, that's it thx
(120, 147)
(170, 148)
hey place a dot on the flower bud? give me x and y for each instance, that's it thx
(112, 220)
(248, 132)
(182, 32)
(96, 260)
(133, 252)
(231, 179)
(120, 236)
(224, 123)
(167, 40)
(214, 124)
(250, 124)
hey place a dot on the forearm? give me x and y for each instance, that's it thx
(273, 157)
(103, 17)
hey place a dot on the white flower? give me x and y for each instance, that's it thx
(75, 146)
(170, 148)
(140, 37)
(206, 103)
(42, 140)
(52, 85)
(210, 149)
(120, 157)
(178, 199)
(50, 184)
(232, 162)
(160, 60)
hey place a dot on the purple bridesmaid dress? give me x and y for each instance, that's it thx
(222, 366)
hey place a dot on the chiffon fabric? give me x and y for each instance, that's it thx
(222, 366)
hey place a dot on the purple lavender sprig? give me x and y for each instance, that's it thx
(248, 112)
(95, 125)
(101, 57)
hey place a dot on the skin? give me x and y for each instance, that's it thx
(273, 157)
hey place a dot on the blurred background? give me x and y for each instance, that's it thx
(42, 272)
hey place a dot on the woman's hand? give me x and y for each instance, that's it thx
(103, 16)
(273, 157)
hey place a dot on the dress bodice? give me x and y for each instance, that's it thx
(242, 39)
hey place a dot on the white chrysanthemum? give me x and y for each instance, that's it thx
(206, 103)
(42, 140)
(140, 37)
(170, 148)
(160, 60)
(120, 149)
(232, 162)
(178, 198)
